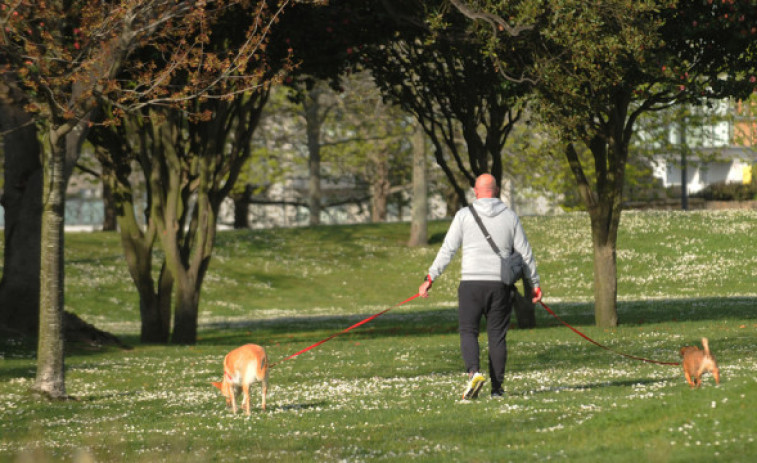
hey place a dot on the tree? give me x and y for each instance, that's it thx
(447, 81)
(599, 66)
(328, 42)
(190, 158)
(370, 142)
(192, 166)
(343, 132)
(67, 56)
(60, 73)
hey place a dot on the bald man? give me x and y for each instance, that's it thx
(487, 278)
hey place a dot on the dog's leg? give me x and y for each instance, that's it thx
(688, 377)
(264, 385)
(232, 391)
(246, 395)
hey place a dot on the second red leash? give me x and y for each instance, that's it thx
(600, 345)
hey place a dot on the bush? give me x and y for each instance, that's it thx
(728, 192)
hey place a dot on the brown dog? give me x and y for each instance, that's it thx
(696, 362)
(242, 367)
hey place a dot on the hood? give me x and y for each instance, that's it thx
(489, 206)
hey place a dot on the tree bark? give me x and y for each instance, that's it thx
(185, 314)
(188, 245)
(380, 186)
(190, 271)
(605, 285)
(313, 123)
(110, 222)
(419, 220)
(154, 307)
(50, 378)
(242, 208)
(22, 202)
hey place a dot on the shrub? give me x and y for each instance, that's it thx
(723, 191)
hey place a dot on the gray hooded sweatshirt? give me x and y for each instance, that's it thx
(479, 260)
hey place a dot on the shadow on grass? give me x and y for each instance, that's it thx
(304, 330)
(97, 260)
(295, 407)
(433, 322)
(6, 374)
(315, 328)
(588, 387)
(110, 396)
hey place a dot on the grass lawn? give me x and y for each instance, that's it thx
(390, 390)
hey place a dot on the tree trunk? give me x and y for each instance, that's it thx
(313, 129)
(50, 378)
(137, 242)
(191, 273)
(154, 307)
(188, 258)
(419, 220)
(242, 209)
(22, 202)
(604, 207)
(110, 222)
(185, 313)
(380, 189)
(605, 282)
(189, 160)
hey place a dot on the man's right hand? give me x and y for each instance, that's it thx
(536, 295)
(423, 289)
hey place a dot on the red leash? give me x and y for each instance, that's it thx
(600, 345)
(366, 320)
(362, 322)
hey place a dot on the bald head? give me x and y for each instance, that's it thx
(486, 186)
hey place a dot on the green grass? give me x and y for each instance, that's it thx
(388, 391)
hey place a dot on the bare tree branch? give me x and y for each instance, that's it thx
(496, 22)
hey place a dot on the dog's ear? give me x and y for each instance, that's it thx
(219, 385)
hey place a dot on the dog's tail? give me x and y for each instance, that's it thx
(706, 347)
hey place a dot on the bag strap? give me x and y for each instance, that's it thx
(487, 235)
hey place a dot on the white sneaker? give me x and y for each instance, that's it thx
(474, 386)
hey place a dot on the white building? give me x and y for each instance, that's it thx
(721, 148)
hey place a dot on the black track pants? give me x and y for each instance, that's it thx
(493, 300)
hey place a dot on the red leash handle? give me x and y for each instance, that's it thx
(361, 322)
(600, 345)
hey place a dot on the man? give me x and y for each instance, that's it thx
(482, 291)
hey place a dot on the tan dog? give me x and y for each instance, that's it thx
(242, 367)
(696, 362)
